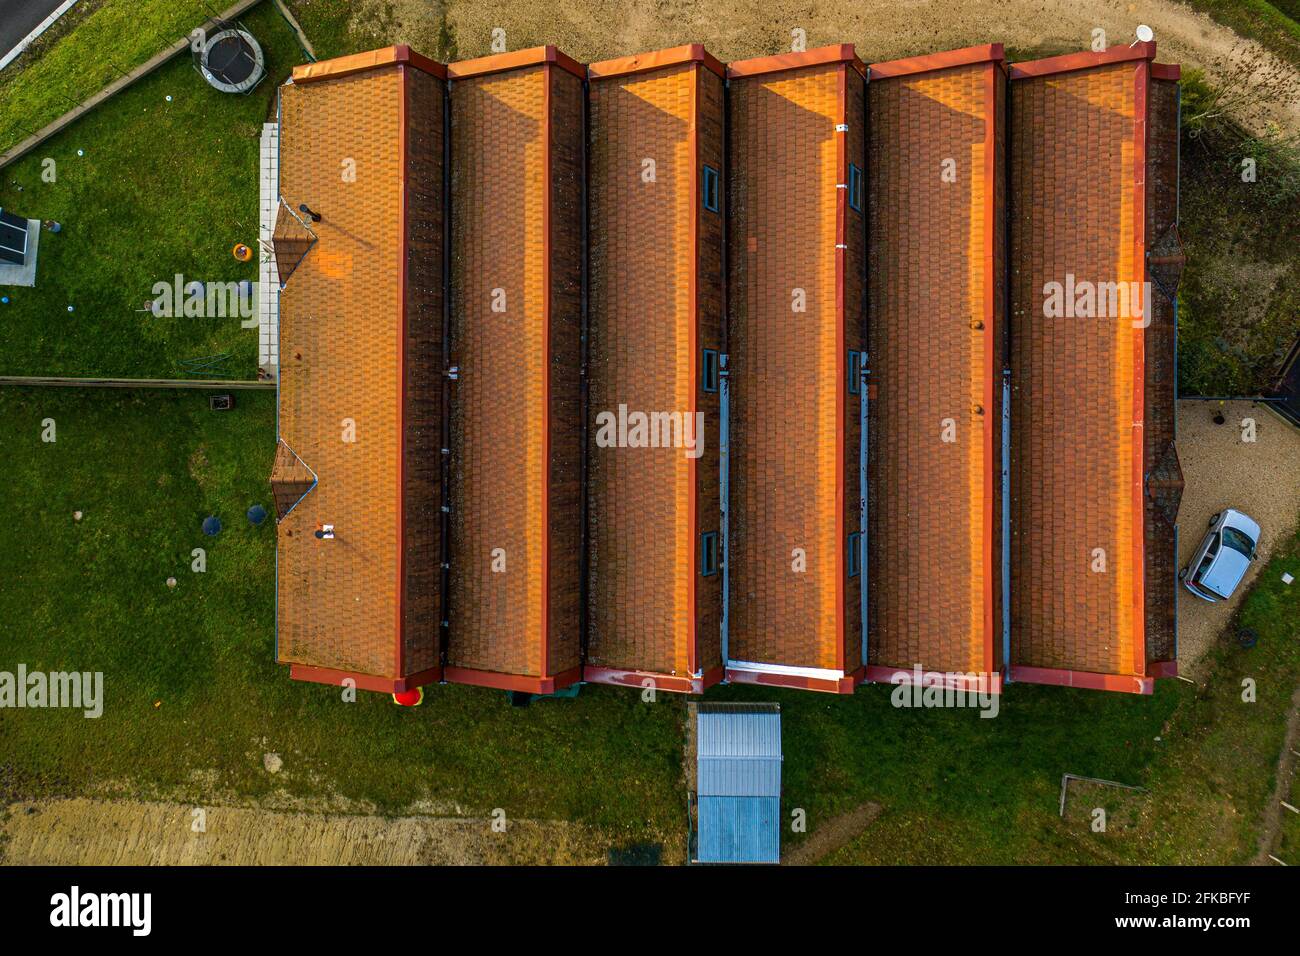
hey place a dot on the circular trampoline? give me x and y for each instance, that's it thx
(231, 61)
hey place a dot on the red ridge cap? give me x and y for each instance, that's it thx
(1166, 71)
(386, 685)
(641, 62)
(835, 53)
(1089, 680)
(370, 60)
(516, 59)
(966, 56)
(1083, 60)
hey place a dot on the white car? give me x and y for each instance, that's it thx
(1223, 557)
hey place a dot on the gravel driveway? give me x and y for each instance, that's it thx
(1260, 478)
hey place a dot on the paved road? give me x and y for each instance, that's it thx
(19, 18)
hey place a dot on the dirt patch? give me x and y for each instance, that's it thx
(198, 466)
(1221, 470)
(84, 832)
(415, 22)
(834, 833)
(881, 29)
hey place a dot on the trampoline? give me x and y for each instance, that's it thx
(231, 60)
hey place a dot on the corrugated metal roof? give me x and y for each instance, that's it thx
(738, 761)
(739, 830)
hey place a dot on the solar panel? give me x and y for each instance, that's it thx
(13, 238)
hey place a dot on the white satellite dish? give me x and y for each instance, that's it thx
(1144, 33)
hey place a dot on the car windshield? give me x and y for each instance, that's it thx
(1238, 541)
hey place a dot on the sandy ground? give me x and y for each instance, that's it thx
(123, 832)
(881, 29)
(1262, 479)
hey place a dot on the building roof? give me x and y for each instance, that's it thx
(515, 60)
(821, 56)
(657, 60)
(342, 602)
(1094, 477)
(935, 341)
(792, 121)
(912, 65)
(1078, 464)
(643, 333)
(516, 140)
(738, 783)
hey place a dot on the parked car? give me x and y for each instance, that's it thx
(1223, 557)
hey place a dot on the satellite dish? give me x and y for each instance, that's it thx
(1145, 33)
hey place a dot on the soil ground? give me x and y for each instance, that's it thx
(84, 832)
(880, 29)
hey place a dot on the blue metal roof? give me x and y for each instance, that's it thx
(738, 783)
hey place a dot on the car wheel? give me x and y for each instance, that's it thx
(1182, 575)
(1214, 518)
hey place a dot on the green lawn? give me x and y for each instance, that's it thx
(92, 45)
(159, 188)
(145, 468)
(1239, 302)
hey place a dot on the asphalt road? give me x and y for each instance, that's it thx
(20, 17)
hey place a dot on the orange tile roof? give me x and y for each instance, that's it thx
(346, 607)
(912, 65)
(657, 60)
(1093, 186)
(797, 121)
(935, 338)
(503, 62)
(516, 421)
(1078, 212)
(650, 611)
(824, 55)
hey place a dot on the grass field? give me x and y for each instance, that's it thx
(194, 698)
(145, 188)
(1239, 302)
(92, 45)
(146, 467)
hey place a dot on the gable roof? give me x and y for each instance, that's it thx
(935, 340)
(1079, 220)
(796, 126)
(343, 327)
